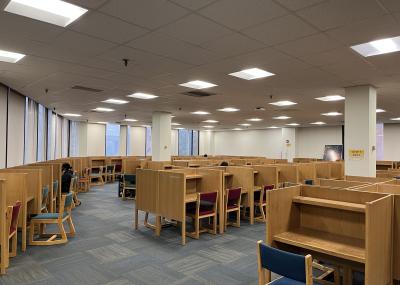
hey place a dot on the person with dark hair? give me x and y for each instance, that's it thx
(66, 178)
(205, 155)
(224, 163)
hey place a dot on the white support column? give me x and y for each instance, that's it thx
(289, 143)
(161, 136)
(360, 131)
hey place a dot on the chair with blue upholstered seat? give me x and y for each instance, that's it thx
(53, 218)
(12, 224)
(295, 269)
(110, 173)
(129, 185)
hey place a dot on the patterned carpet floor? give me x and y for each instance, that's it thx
(107, 251)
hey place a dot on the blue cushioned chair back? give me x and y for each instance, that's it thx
(130, 178)
(68, 200)
(55, 187)
(284, 263)
(45, 192)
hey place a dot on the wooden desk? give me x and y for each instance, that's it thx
(189, 198)
(193, 176)
(227, 174)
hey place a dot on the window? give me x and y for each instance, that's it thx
(188, 142)
(30, 143)
(73, 139)
(112, 139)
(148, 141)
(379, 142)
(41, 144)
(51, 135)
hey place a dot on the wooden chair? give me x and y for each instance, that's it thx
(54, 218)
(12, 224)
(104, 173)
(55, 194)
(205, 207)
(45, 199)
(294, 269)
(260, 202)
(232, 204)
(84, 180)
(97, 176)
(73, 188)
(128, 184)
(110, 173)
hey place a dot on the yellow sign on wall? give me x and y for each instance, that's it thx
(356, 154)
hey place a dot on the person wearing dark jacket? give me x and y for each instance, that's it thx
(67, 175)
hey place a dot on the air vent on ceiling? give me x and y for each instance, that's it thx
(198, 94)
(87, 89)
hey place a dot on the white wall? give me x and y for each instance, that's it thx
(311, 141)
(137, 141)
(3, 125)
(206, 143)
(252, 143)
(391, 139)
(96, 139)
(16, 129)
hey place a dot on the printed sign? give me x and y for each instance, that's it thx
(356, 154)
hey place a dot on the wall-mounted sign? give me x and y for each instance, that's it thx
(356, 154)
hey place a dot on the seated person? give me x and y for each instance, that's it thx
(224, 163)
(67, 175)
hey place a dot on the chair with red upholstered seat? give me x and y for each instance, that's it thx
(232, 204)
(260, 201)
(12, 219)
(205, 207)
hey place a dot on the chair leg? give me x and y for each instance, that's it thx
(71, 227)
(226, 218)
(14, 245)
(31, 232)
(262, 212)
(215, 224)
(197, 227)
(238, 218)
(62, 232)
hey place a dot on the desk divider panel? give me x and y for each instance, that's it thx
(158, 165)
(147, 190)
(57, 173)
(336, 170)
(366, 179)
(172, 191)
(131, 165)
(287, 173)
(323, 170)
(181, 163)
(306, 171)
(340, 184)
(267, 175)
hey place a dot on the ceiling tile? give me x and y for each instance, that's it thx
(367, 30)
(232, 44)
(195, 29)
(332, 14)
(342, 54)
(91, 4)
(239, 14)
(298, 4)
(280, 30)
(309, 45)
(391, 5)
(173, 48)
(104, 27)
(193, 4)
(150, 13)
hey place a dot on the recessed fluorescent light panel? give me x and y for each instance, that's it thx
(144, 96)
(332, 114)
(281, 118)
(210, 121)
(395, 119)
(71, 115)
(11, 57)
(115, 101)
(208, 127)
(254, 119)
(380, 111)
(331, 98)
(200, 113)
(130, 120)
(293, 124)
(237, 129)
(318, 123)
(251, 73)
(104, 123)
(228, 109)
(55, 12)
(198, 84)
(101, 109)
(245, 125)
(378, 47)
(273, 127)
(283, 103)
(175, 124)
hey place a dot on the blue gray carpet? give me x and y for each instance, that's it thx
(107, 251)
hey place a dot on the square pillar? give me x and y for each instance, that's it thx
(360, 131)
(161, 136)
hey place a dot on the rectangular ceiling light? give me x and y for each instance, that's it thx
(380, 111)
(140, 95)
(281, 118)
(255, 119)
(210, 121)
(71, 115)
(198, 84)
(283, 103)
(101, 109)
(251, 73)
(208, 127)
(200, 113)
(293, 124)
(237, 129)
(55, 12)
(12, 57)
(331, 98)
(332, 114)
(228, 109)
(395, 119)
(175, 124)
(115, 101)
(245, 125)
(273, 127)
(130, 120)
(318, 123)
(378, 47)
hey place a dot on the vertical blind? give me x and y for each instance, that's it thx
(31, 130)
(16, 129)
